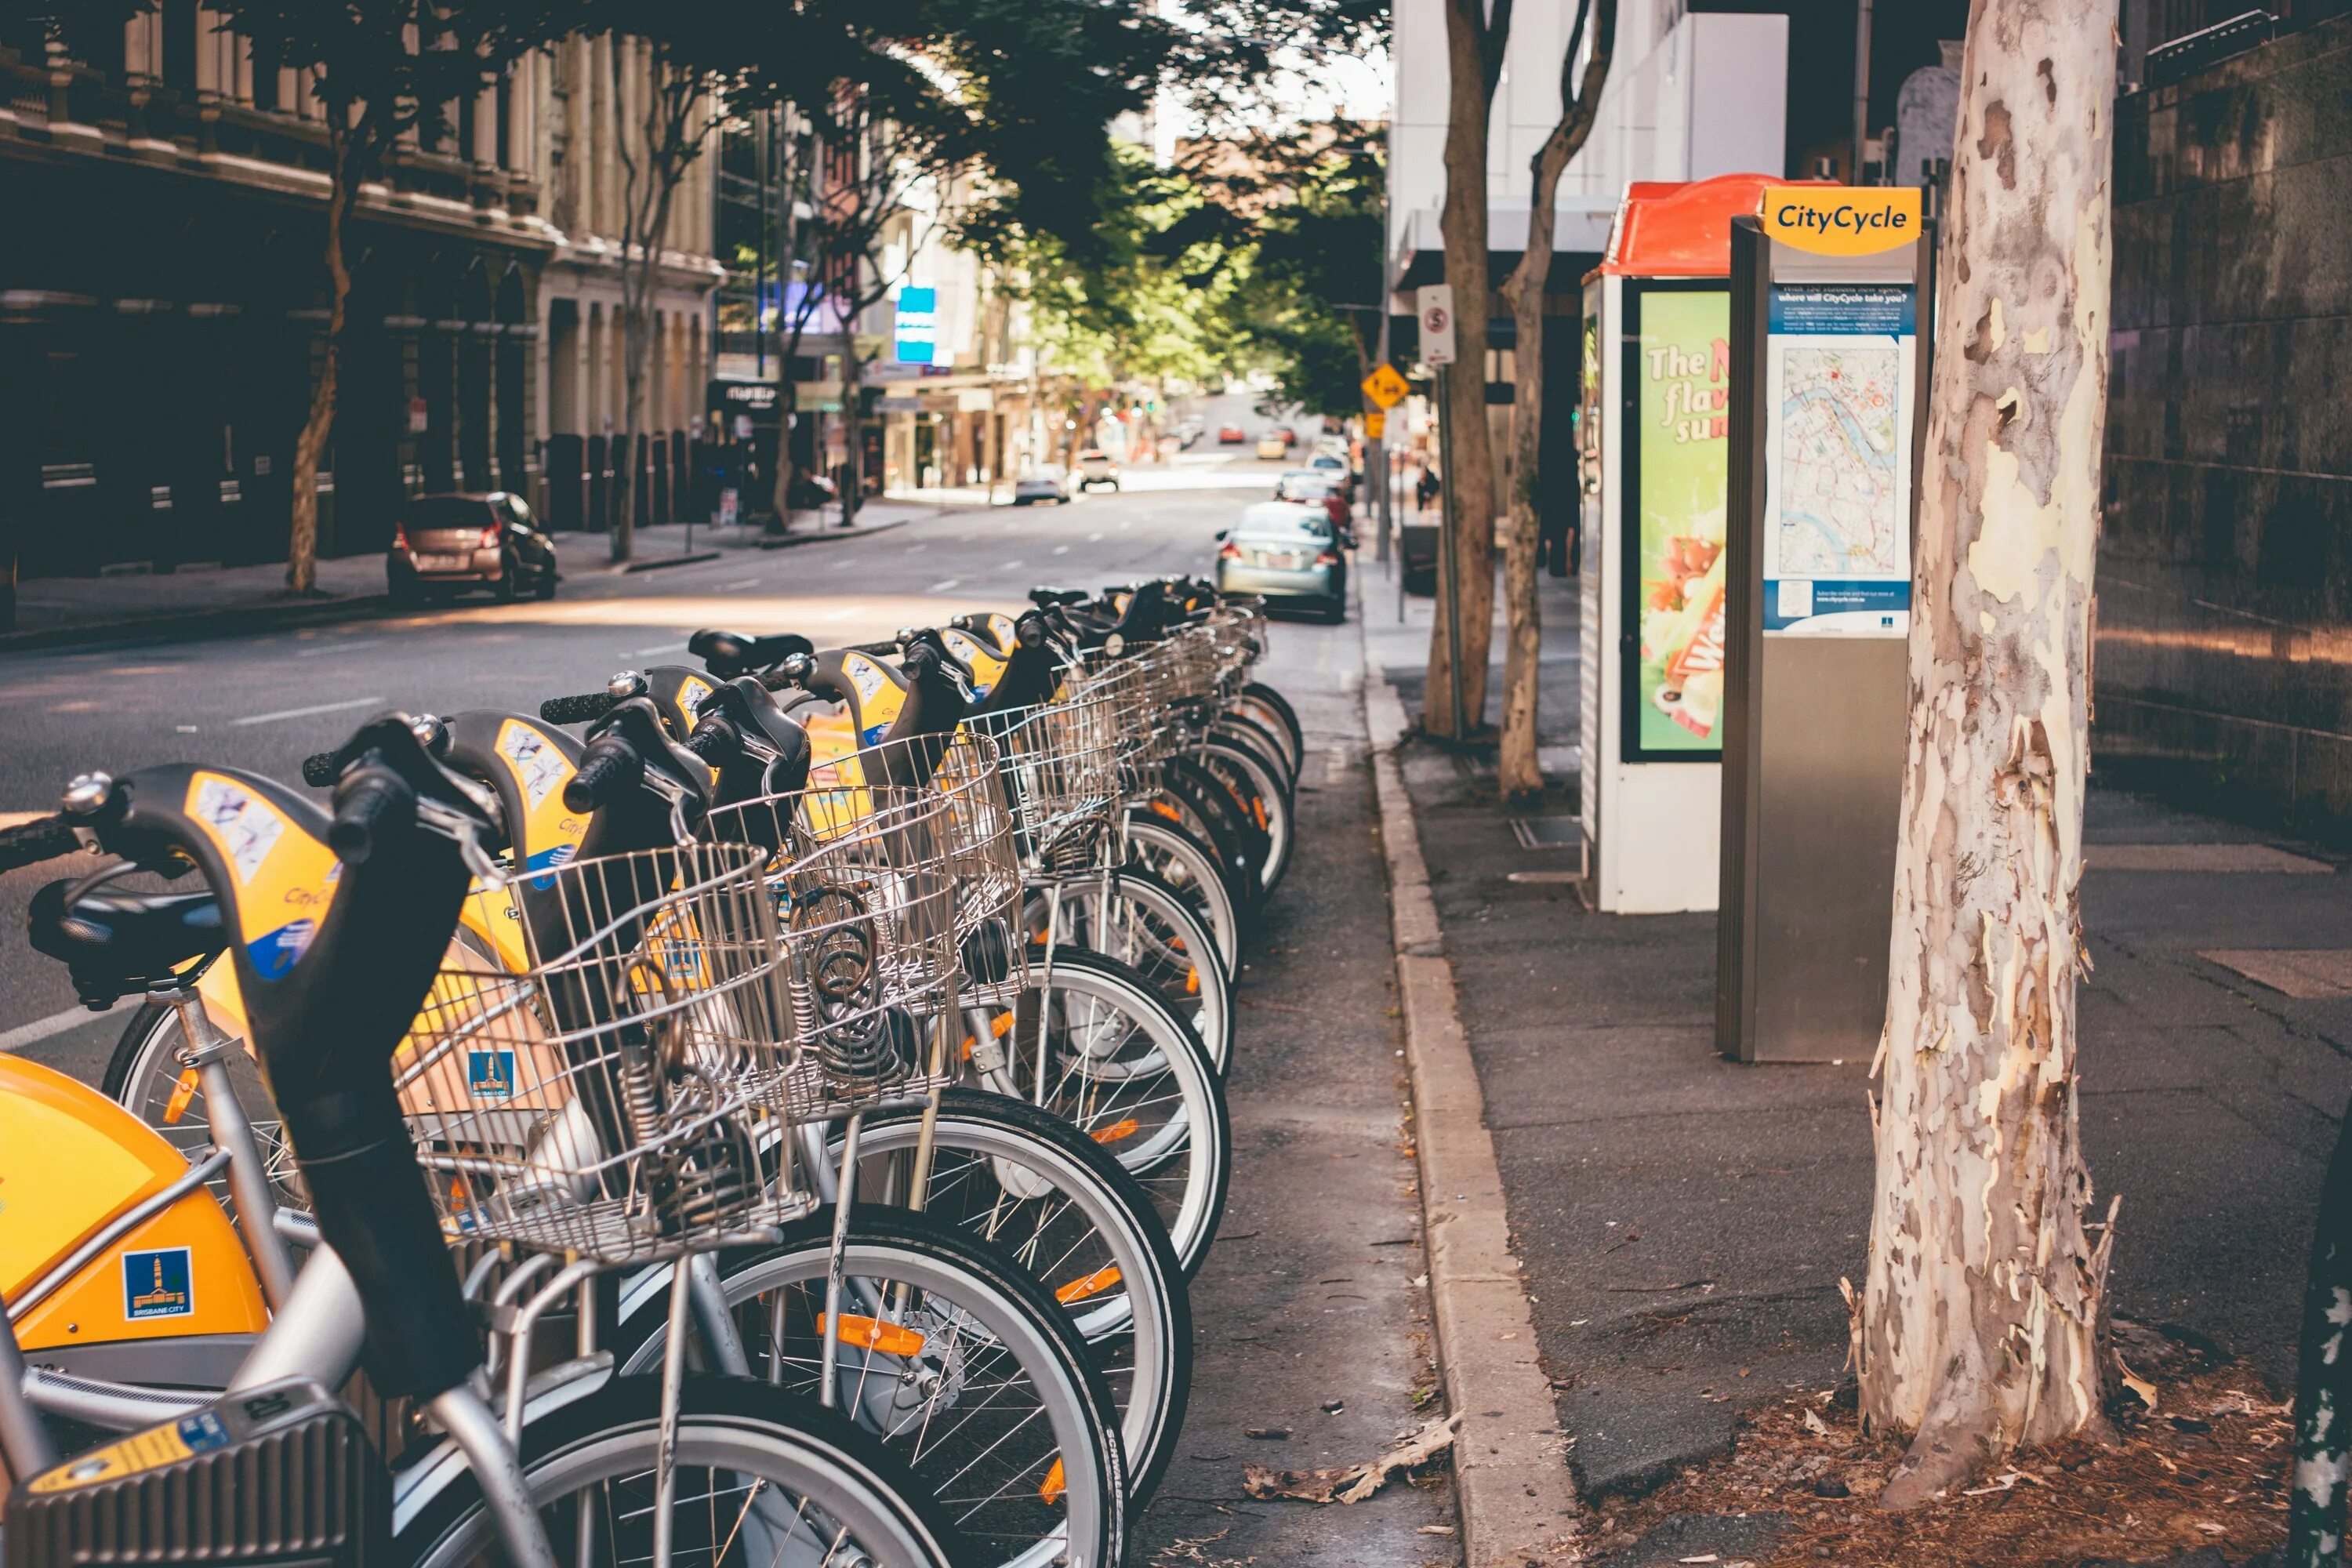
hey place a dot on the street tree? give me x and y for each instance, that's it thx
(1523, 290)
(379, 68)
(1477, 35)
(1979, 1325)
(670, 63)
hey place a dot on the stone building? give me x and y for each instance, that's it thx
(163, 299)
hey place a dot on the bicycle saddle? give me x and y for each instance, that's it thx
(116, 943)
(730, 653)
(1046, 598)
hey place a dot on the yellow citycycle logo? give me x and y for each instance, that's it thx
(1842, 220)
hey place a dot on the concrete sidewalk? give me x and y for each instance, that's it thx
(1683, 1222)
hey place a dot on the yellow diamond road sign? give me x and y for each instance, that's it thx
(1385, 386)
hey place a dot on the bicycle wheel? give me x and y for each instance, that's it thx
(1049, 1197)
(1179, 859)
(763, 1479)
(1147, 925)
(1273, 709)
(144, 1077)
(1255, 784)
(1092, 1043)
(1201, 806)
(951, 1355)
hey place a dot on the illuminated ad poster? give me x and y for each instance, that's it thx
(1682, 382)
(1836, 545)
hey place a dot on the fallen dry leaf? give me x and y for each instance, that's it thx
(2138, 1384)
(1813, 1425)
(1352, 1483)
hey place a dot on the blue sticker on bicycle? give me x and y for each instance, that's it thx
(491, 1075)
(158, 1284)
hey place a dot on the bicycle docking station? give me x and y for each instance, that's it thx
(1829, 292)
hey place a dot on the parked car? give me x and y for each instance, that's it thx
(1289, 554)
(1273, 445)
(1317, 488)
(1330, 461)
(1231, 436)
(1095, 467)
(448, 543)
(1046, 481)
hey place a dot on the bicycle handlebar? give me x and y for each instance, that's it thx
(580, 709)
(609, 768)
(30, 843)
(373, 807)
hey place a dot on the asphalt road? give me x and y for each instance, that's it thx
(265, 701)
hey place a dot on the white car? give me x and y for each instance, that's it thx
(1333, 462)
(1046, 481)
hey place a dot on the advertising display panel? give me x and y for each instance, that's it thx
(1678, 370)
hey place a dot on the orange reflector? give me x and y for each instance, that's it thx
(870, 1334)
(1094, 1284)
(1000, 1025)
(183, 1094)
(1177, 943)
(1258, 805)
(1168, 811)
(1116, 1130)
(1056, 1483)
(970, 1043)
(1193, 980)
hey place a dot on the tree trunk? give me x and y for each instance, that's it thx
(302, 543)
(1518, 771)
(852, 493)
(1979, 1325)
(788, 396)
(1463, 223)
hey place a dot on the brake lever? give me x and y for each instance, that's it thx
(434, 816)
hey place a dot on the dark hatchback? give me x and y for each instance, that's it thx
(446, 543)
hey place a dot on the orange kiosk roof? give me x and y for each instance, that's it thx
(1683, 228)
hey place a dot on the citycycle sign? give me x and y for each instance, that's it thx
(1843, 220)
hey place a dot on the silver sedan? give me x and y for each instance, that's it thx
(1288, 554)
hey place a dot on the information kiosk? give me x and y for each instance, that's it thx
(1828, 374)
(1652, 433)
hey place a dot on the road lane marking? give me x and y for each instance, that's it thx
(845, 563)
(23, 1035)
(338, 648)
(1095, 538)
(944, 584)
(1061, 549)
(1009, 565)
(658, 648)
(842, 614)
(311, 711)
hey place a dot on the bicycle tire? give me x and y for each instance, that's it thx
(992, 1309)
(1245, 727)
(728, 1425)
(1181, 861)
(1175, 1139)
(1257, 696)
(1202, 994)
(1259, 786)
(1148, 1306)
(142, 1076)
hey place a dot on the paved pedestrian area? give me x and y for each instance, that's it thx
(1684, 1221)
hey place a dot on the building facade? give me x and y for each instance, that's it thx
(164, 301)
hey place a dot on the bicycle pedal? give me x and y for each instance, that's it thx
(275, 1476)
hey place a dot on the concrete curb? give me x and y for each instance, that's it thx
(1510, 1467)
(832, 534)
(661, 563)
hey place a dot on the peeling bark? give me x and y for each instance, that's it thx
(1981, 1312)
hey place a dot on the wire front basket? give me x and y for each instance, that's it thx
(1060, 763)
(608, 1100)
(861, 873)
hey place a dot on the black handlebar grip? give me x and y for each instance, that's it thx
(374, 806)
(578, 710)
(30, 843)
(886, 650)
(714, 741)
(319, 770)
(921, 659)
(608, 768)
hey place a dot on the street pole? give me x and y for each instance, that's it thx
(1861, 89)
(1449, 601)
(1376, 461)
